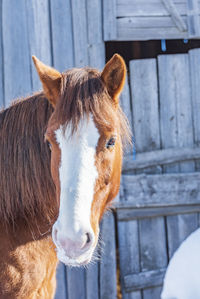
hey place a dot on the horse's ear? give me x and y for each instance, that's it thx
(51, 80)
(113, 75)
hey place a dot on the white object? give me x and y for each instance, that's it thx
(182, 278)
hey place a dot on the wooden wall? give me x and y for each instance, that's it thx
(127, 20)
(160, 196)
(60, 33)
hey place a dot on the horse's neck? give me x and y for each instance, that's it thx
(26, 263)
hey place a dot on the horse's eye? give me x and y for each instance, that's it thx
(111, 142)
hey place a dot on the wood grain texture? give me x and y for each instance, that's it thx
(97, 55)
(92, 281)
(129, 257)
(152, 22)
(17, 79)
(144, 190)
(127, 33)
(108, 279)
(76, 287)
(175, 16)
(144, 279)
(176, 131)
(144, 90)
(176, 113)
(79, 21)
(128, 211)
(109, 20)
(125, 102)
(94, 20)
(193, 19)
(39, 44)
(61, 288)
(147, 8)
(161, 157)
(194, 58)
(62, 34)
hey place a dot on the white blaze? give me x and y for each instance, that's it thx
(77, 175)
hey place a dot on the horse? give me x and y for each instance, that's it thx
(60, 164)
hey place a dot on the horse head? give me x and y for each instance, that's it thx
(85, 135)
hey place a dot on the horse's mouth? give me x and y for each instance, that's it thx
(83, 260)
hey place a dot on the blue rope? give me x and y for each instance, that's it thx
(163, 45)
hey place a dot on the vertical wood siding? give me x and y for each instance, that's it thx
(165, 102)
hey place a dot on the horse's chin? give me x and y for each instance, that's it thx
(83, 260)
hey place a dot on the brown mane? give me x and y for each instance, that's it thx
(26, 185)
(27, 189)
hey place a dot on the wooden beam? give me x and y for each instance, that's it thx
(126, 213)
(162, 189)
(109, 20)
(170, 6)
(193, 18)
(143, 280)
(160, 157)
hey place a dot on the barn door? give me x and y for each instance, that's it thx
(152, 19)
(160, 196)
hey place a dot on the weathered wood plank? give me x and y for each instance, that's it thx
(136, 9)
(176, 18)
(61, 290)
(17, 79)
(176, 131)
(76, 283)
(194, 57)
(193, 19)
(128, 254)
(92, 279)
(147, 22)
(109, 20)
(108, 279)
(153, 190)
(62, 39)
(160, 157)
(94, 20)
(121, 2)
(130, 212)
(128, 33)
(144, 91)
(97, 55)
(125, 102)
(176, 116)
(152, 257)
(39, 44)
(179, 228)
(79, 21)
(144, 279)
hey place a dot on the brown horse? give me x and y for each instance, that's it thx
(60, 165)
